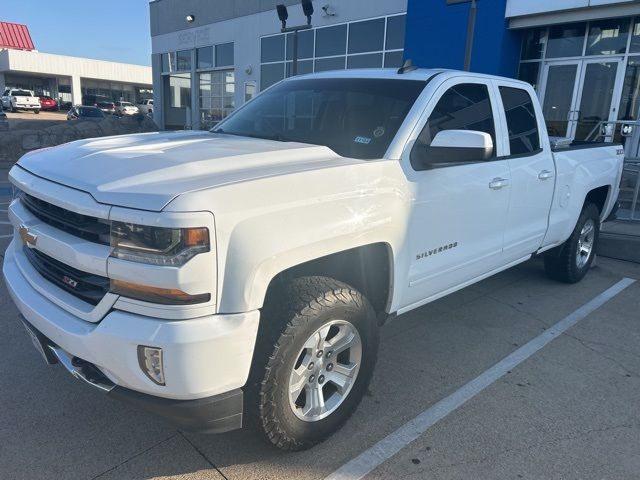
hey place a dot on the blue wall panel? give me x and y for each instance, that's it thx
(436, 37)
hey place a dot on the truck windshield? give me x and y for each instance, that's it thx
(355, 118)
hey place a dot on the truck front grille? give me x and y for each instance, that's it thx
(86, 286)
(89, 228)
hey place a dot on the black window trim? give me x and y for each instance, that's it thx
(533, 153)
(494, 158)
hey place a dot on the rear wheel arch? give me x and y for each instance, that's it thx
(598, 197)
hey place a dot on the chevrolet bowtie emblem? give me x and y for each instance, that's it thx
(28, 239)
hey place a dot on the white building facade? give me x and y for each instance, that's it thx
(210, 56)
(66, 79)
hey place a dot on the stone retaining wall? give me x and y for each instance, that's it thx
(15, 143)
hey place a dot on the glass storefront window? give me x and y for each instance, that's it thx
(224, 55)
(533, 43)
(205, 57)
(179, 90)
(530, 73)
(393, 59)
(326, 64)
(635, 37)
(271, 73)
(304, 66)
(566, 40)
(395, 32)
(608, 37)
(217, 91)
(367, 36)
(371, 60)
(183, 60)
(630, 101)
(331, 41)
(272, 49)
(169, 62)
(305, 44)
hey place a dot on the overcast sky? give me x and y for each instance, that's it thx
(116, 30)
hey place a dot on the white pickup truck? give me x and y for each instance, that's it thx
(241, 275)
(15, 99)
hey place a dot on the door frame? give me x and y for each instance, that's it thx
(578, 87)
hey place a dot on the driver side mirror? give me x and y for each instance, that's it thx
(453, 147)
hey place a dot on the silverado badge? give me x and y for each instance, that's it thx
(28, 239)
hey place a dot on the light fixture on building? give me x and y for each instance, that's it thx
(190, 18)
(307, 9)
(283, 14)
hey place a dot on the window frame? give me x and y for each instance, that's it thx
(542, 126)
(434, 99)
(507, 140)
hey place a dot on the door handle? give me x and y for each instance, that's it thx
(545, 175)
(498, 183)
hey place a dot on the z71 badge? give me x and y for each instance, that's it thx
(428, 253)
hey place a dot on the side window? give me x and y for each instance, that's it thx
(463, 107)
(522, 123)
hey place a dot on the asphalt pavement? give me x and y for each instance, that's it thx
(570, 410)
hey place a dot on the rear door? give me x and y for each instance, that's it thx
(459, 211)
(532, 170)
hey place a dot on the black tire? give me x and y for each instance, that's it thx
(13, 109)
(288, 320)
(562, 262)
(36, 112)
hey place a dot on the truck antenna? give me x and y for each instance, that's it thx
(406, 67)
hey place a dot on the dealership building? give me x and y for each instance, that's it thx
(63, 78)
(582, 56)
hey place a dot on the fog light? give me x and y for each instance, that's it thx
(150, 361)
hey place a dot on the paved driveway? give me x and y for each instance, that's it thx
(570, 410)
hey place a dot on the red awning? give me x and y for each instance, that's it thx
(14, 35)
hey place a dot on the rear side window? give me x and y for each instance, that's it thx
(522, 124)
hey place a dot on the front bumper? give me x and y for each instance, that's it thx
(203, 357)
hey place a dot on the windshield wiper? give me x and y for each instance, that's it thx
(276, 136)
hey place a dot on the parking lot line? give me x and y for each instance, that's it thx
(371, 458)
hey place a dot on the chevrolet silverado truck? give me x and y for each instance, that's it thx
(15, 99)
(240, 276)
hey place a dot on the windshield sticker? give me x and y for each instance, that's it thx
(363, 140)
(378, 132)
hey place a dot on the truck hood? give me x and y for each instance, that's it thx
(147, 171)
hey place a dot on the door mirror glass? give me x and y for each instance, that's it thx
(457, 147)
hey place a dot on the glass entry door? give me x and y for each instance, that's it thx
(561, 82)
(579, 94)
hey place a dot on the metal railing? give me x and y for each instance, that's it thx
(628, 133)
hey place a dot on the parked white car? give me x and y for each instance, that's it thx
(241, 275)
(146, 107)
(14, 99)
(125, 108)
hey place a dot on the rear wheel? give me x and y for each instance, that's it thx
(315, 355)
(36, 112)
(571, 261)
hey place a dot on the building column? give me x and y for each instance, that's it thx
(2, 84)
(76, 90)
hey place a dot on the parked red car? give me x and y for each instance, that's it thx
(48, 103)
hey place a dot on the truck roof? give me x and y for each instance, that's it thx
(392, 73)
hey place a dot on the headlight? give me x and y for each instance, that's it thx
(157, 245)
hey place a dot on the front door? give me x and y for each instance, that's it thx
(459, 210)
(579, 94)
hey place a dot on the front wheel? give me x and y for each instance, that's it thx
(316, 351)
(572, 260)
